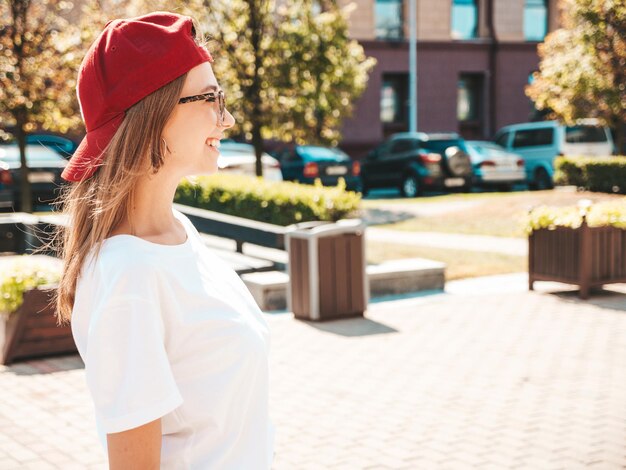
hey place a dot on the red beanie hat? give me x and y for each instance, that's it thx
(129, 60)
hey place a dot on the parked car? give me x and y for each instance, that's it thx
(494, 166)
(414, 162)
(62, 145)
(45, 168)
(240, 158)
(305, 163)
(538, 143)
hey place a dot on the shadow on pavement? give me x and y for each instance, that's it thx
(605, 298)
(358, 326)
(47, 365)
(383, 216)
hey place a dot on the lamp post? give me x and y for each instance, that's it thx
(412, 66)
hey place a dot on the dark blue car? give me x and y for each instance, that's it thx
(305, 163)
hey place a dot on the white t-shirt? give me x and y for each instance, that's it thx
(171, 332)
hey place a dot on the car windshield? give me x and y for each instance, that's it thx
(584, 134)
(321, 153)
(11, 154)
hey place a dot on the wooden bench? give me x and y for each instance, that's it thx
(236, 228)
(18, 230)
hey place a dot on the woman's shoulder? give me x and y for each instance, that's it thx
(122, 255)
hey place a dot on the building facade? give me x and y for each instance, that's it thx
(474, 59)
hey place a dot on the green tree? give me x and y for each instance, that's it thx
(289, 74)
(320, 73)
(242, 33)
(244, 30)
(40, 52)
(582, 72)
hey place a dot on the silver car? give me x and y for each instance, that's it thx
(494, 166)
(45, 168)
(240, 158)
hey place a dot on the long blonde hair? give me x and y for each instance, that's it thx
(98, 204)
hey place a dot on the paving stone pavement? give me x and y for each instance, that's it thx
(508, 380)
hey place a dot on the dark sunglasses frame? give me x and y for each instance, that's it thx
(210, 97)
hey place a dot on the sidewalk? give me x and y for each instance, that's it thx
(508, 246)
(473, 378)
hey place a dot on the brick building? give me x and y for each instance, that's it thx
(474, 58)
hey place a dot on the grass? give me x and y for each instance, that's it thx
(461, 264)
(498, 214)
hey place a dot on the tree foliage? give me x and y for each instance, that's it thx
(320, 71)
(289, 74)
(37, 69)
(582, 72)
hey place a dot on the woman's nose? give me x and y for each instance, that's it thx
(229, 120)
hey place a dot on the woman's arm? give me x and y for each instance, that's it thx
(136, 449)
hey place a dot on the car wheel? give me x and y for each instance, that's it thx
(410, 186)
(505, 188)
(542, 180)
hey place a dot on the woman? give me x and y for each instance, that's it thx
(175, 347)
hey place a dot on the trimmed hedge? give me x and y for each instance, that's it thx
(612, 213)
(280, 203)
(21, 274)
(600, 174)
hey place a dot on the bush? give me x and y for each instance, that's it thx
(280, 203)
(601, 174)
(612, 213)
(21, 275)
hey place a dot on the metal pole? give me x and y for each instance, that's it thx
(412, 67)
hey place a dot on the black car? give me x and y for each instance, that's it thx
(305, 163)
(414, 162)
(45, 168)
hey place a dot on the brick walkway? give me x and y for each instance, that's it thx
(519, 380)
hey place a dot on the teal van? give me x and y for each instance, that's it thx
(538, 143)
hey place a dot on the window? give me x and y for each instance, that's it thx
(469, 97)
(393, 98)
(503, 139)
(289, 156)
(464, 19)
(586, 134)
(388, 14)
(313, 152)
(403, 145)
(440, 146)
(533, 138)
(535, 20)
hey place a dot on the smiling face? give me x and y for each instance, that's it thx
(194, 126)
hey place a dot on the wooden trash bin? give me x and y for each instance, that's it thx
(327, 276)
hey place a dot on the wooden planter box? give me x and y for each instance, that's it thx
(32, 331)
(586, 256)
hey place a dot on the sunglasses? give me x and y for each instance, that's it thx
(211, 97)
